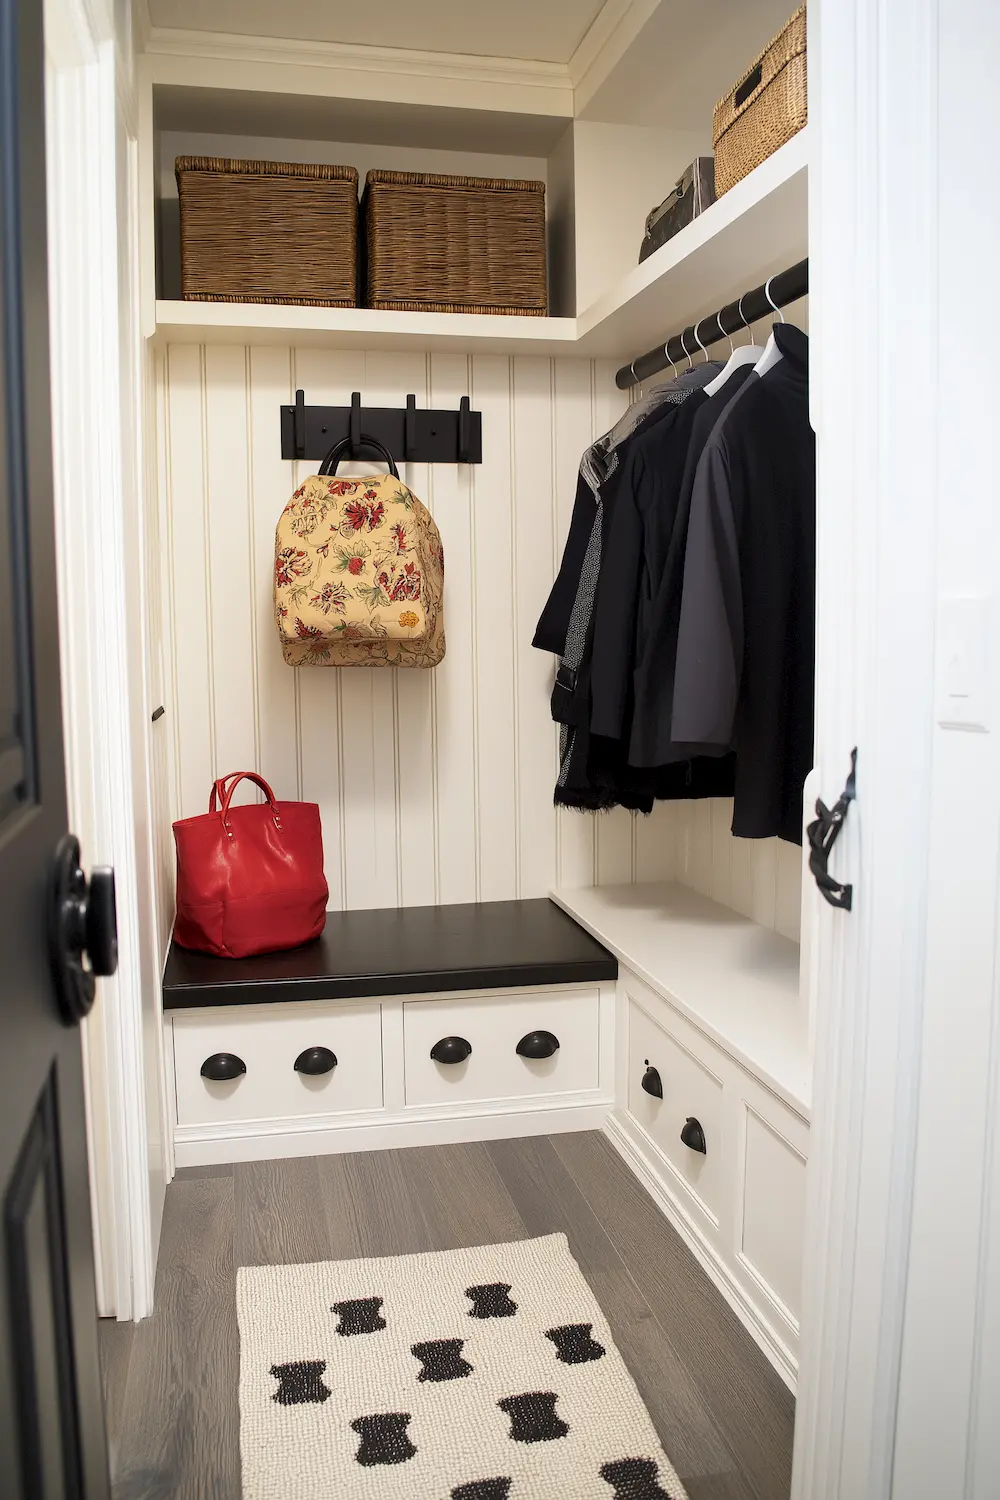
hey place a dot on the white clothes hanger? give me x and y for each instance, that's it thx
(745, 354)
(673, 367)
(772, 354)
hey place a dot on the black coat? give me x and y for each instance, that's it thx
(746, 635)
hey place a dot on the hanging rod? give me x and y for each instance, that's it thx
(787, 286)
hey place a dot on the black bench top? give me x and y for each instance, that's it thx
(401, 951)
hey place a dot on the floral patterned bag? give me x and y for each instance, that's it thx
(358, 573)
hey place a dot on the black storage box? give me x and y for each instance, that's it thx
(693, 193)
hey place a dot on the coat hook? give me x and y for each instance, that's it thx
(410, 429)
(300, 424)
(464, 431)
(354, 431)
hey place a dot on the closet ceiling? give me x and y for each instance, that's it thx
(549, 31)
(682, 57)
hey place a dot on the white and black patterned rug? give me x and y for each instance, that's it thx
(485, 1374)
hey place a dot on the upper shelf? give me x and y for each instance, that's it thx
(758, 228)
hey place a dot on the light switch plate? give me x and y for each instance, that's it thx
(963, 653)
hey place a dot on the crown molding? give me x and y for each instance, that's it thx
(384, 61)
(612, 15)
(565, 87)
(613, 31)
(142, 25)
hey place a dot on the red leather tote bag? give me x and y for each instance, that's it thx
(249, 879)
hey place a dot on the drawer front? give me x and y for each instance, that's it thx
(493, 1027)
(692, 1086)
(771, 1195)
(269, 1040)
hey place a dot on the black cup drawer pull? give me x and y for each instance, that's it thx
(651, 1081)
(538, 1044)
(315, 1060)
(451, 1049)
(222, 1067)
(693, 1136)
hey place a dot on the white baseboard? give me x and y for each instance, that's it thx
(637, 1155)
(210, 1145)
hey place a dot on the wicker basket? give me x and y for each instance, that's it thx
(268, 231)
(765, 109)
(455, 244)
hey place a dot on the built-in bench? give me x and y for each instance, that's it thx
(404, 950)
(399, 1026)
(424, 1025)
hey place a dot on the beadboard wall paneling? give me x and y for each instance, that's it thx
(433, 786)
(759, 878)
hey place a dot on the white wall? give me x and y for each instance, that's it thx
(434, 786)
(620, 173)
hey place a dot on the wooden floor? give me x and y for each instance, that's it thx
(723, 1415)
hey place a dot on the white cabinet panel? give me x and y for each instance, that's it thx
(493, 1027)
(741, 1206)
(770, 1223)
(268, 1039)
(692, 1087)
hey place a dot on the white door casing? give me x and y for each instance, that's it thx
(97, 439)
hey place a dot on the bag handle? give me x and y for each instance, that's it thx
(218, 791)
(229, 785)
(346, 448)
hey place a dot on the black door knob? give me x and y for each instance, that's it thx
(538, 1044)
(693, 1136)
(315, 1060)
(651, 1081)
(451, 1049)
(222, 1067)
(83, 924)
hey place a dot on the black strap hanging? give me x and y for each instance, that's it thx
(823, 834)
(347, 448)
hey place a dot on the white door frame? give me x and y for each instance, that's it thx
(95, 398)
(901, 1321)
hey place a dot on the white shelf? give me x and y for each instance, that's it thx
(737, 981)
(360, 328)
(758, 228)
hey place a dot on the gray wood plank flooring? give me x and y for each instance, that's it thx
(171, 1382)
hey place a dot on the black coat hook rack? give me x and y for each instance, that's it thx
(411, 434)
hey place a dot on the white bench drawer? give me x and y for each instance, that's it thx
(692, 1085)
(492, 1028)
(269, 1040)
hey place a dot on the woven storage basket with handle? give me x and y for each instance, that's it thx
(765, 109)
(455, 244)
(268, 231)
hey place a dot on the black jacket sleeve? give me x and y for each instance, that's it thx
(550, 632)
(617, 602)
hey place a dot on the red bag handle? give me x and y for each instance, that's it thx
(228, 785)
(218, 791)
